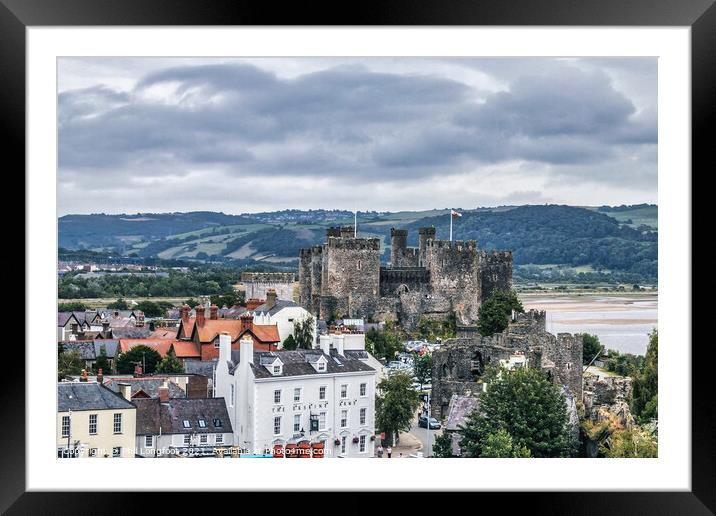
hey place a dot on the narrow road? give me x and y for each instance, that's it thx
(422, 435)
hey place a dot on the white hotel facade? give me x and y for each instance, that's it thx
(320, 399)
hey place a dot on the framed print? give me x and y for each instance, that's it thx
(424, 233)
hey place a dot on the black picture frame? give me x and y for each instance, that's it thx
(700, 15)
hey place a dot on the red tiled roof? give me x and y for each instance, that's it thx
(264, 332)
(182, 349)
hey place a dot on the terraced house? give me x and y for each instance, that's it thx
(94, 421)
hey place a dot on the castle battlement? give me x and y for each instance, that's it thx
(455, 245)
(437, 280)
(354, 243)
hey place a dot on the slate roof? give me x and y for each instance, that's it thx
(459, 409)
(150, 386)
(110, 347)
(64, 317)
(203, 368)
(89, 316)
(280, 305)
(131, 332)
(84, 347)
(153, 415)
(88, 396)
(298, 363)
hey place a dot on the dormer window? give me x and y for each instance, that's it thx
(321, 366)
(276, 369)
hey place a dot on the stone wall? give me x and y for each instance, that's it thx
(304, 278)
(454, 273)
(496, 272)
(394, 281)
(257, 283)
(463, 359)
(352, 274)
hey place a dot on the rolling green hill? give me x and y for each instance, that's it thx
(586, 239)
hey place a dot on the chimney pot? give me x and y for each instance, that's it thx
(100, 376)
(214, 312)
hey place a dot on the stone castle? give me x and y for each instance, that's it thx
(344, 278)
(460, 363)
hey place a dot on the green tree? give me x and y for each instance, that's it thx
(303, 333)
(68, 363)
(494, 314)
(526, 405)
(645, 399)
(102, 362)
(170, 363)
(591, 347)
(395, 405)
(289, 343)
(151, 309)
(119, 304)
(423, 368)
(385, 343)
(138, 355)
(442, 447)
(500, 445)
(630, 443)
(72, 306)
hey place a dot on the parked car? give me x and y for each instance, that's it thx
(434, 423)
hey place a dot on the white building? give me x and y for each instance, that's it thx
(283, 401)
(284, 314)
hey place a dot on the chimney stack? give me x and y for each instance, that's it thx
(340, 340)
(105, 325)
(100, 376)
(213, 312)
(125, 390)
(224, 347)
(270, 298)
(164, 392)
(246, 352)
(247, 321)
(137, 370)
(199, 315)
(184, 313)
(252, 303)
(325, 343)
(84, 378)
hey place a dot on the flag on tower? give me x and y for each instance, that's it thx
(455, 214)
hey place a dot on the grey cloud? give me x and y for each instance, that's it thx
(357, 125)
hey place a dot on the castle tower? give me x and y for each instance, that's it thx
(351, 270)
(496, 272)
(455, 273)
(398, 246)
(347, 232)
(426, 235)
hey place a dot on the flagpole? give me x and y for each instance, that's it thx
(355, 224)
(450, 225)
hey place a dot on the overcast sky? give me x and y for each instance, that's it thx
(388, 134)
